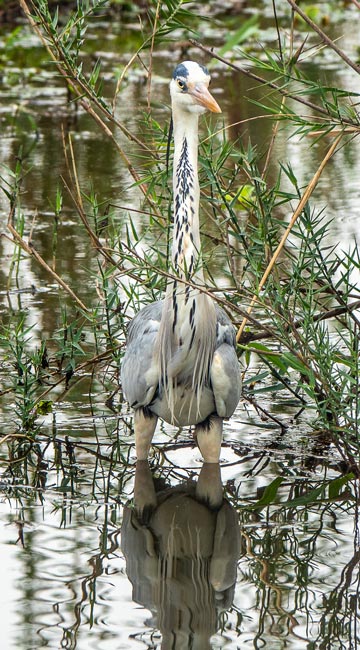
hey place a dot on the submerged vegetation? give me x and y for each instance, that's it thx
(271, 263)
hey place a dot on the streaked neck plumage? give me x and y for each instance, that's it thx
(186, 258)
(188, 326)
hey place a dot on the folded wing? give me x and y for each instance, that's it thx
(140, 371)
(225, 370)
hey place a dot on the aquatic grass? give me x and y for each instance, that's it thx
(57, 208)
(28, 367)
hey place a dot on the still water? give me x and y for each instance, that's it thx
(97, 552)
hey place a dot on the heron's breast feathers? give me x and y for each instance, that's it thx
(182, 348)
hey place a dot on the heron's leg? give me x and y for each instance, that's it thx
(144, 491)
(209, 486)
(208, 436)
(144, 427)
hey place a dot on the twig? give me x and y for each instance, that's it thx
(77, 199)
(86, 106)
(29, 248)
(157, 13)
(265, 82)
(303, 201)
(82, 366)
(248, 337)
(264, 411)
(15, 435)
(324, 36)
(79, 88)
(274, 133)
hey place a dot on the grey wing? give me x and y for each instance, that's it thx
(225, 369)
(139, 370)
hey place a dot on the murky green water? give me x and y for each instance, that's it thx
(81, 567)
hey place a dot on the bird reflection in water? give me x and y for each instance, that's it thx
(181, 546)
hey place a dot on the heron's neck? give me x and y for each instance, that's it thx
(188, 323)
(186, 239)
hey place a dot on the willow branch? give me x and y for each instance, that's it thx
(303, 201)
(80, 88)
(74, 79)
(29, 248)
(265, 82)
(156, 20)
(324, 36)
(248, 337)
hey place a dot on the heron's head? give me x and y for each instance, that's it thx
(189, 88)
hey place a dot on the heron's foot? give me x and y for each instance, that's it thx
(208, 436)
(144, 428)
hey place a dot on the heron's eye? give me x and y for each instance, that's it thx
(181, 84)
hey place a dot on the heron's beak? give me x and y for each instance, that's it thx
(202, 96)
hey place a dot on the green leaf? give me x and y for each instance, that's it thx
(270, 493)
(295, 362)
(272, 357)
(44, 407)
(336, 485)
(306, 499)
(268, 389)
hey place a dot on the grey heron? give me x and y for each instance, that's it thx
(180, 362)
